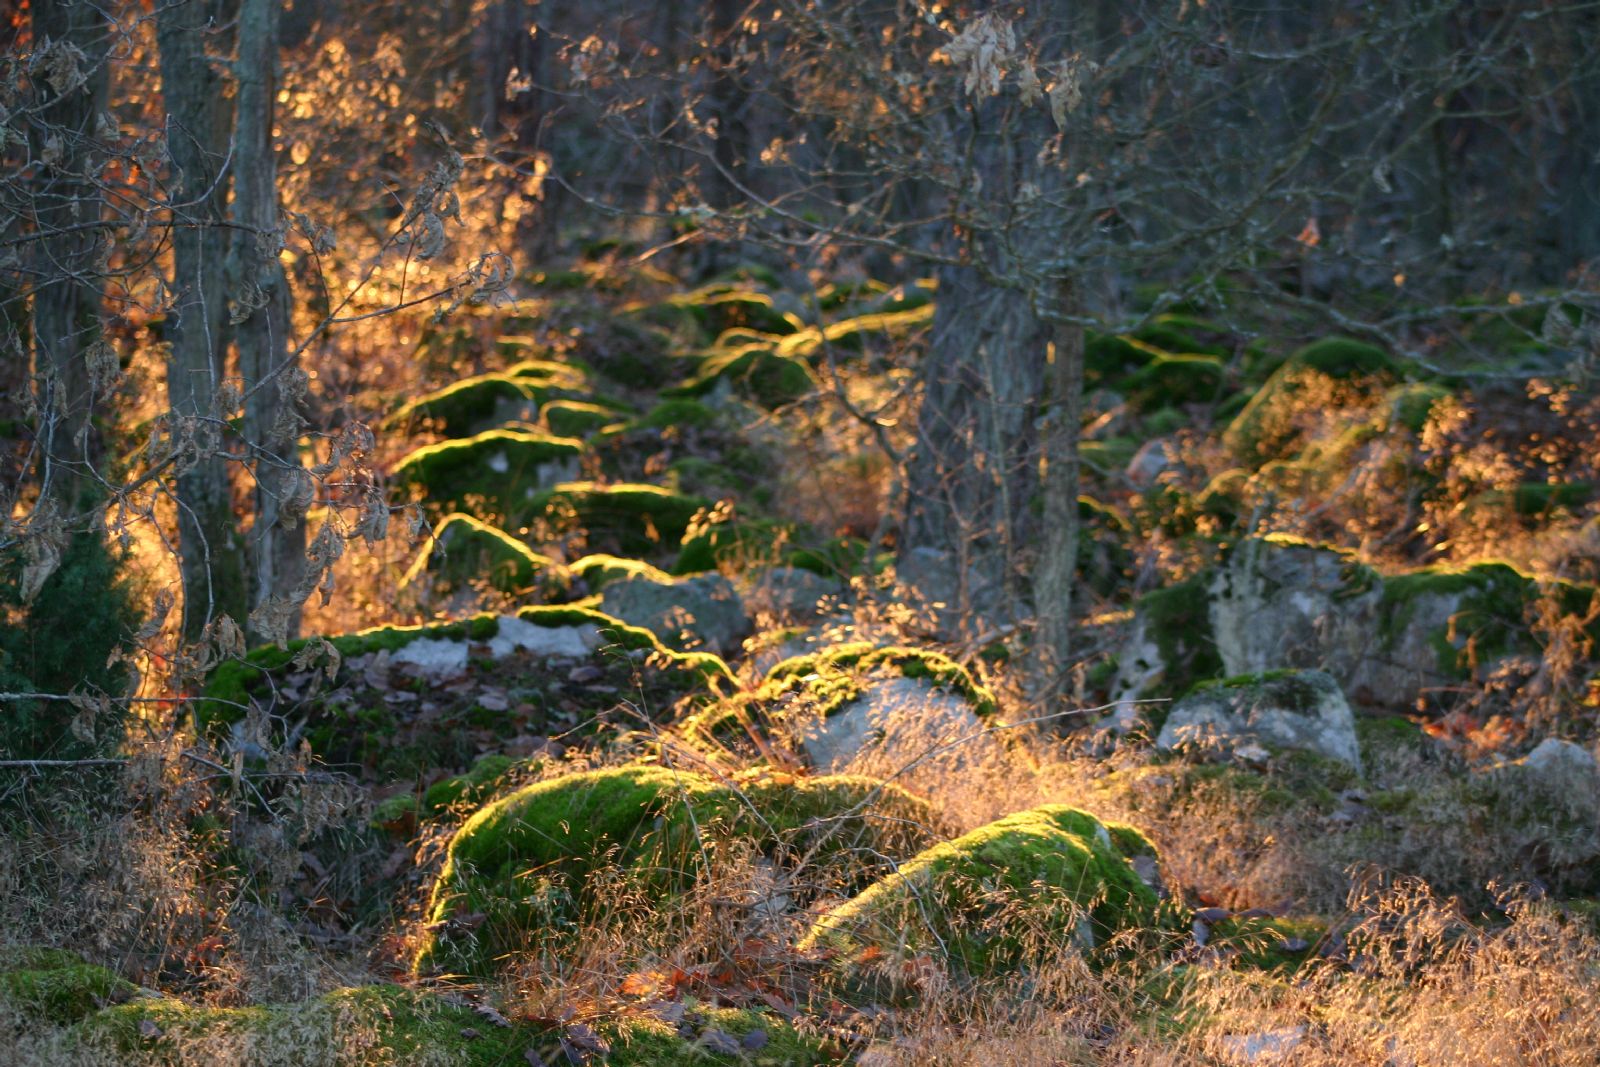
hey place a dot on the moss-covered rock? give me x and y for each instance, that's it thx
(721, 306)
(520, 873)
(363, 1025)
(833, 677)
(800, 696)
(1332, 371)
(1170, 381)
(754, 369)
(577, 418)
(468, 405)
(856, 333)
(56, 987)
(1171, 645)
(630, 517)
(600, 569)
(1016, 890)
(465, 552)
(739, 544)
(378, 714)
(494, 476)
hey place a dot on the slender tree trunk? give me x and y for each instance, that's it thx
(256, 278)
(198, 120)
(66, 302)
(1056, 571)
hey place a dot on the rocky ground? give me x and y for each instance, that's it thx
(661, 760)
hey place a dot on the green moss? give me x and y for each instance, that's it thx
(364, 1025)
(474, 787)
(56, 987)
(721, 307)
(525, 862)
(753, 369)
(990, 900)
(1181, 333)
(465, 550)
(464, 406)
(706, 665)
(1489, 619)
(600, 569)
(635, 517)
(1340, 357)
(741, 542)
(853, 334)
(1411, 404)
(495, 472)
(1174, 380)
(1286, 688)
(1266, 429)
(841, 557)
(1178, 619)
(833, 676)
(676, 413)
(576, 418)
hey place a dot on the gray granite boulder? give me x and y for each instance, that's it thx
(703, 611)
(1284, 709)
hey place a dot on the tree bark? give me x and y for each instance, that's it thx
(1056, 571)
(66, 301)
(260, 290)
(198, 121)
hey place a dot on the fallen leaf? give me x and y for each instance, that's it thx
(533, 1058)
(148, 1029)
(754, 1041)
(721, 1042)
(488, 1012)
(470, 1034)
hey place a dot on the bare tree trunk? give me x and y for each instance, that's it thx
(974, 468)
(198, 117)
(1056, 571)
(66, 302)
(256, 278)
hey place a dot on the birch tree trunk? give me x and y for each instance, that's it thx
(198, 121)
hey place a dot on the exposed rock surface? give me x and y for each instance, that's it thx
(898, 720)
(699, 611)
(1287, 709)
(791, 594)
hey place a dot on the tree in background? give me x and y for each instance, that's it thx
(1045, 160)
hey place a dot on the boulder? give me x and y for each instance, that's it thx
(993, 899)
(1285, 709)
(896, 721)
(520, 872)
(790, 594)
(703, 610)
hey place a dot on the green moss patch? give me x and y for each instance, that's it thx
(1017, 889)
(629, 518)
(753, 369)
(522, 871)
(363, 1025)
(56, 987)
(466, 551)
(600, 569)
(465, 406)
(577, 418)
(495, 475)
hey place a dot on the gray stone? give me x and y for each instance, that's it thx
(1554, 757)
(701, 611)
(790, 594)
(1289, 709)
(1284, 603)
(896, 722)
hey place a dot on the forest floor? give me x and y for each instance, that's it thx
(638, 747)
